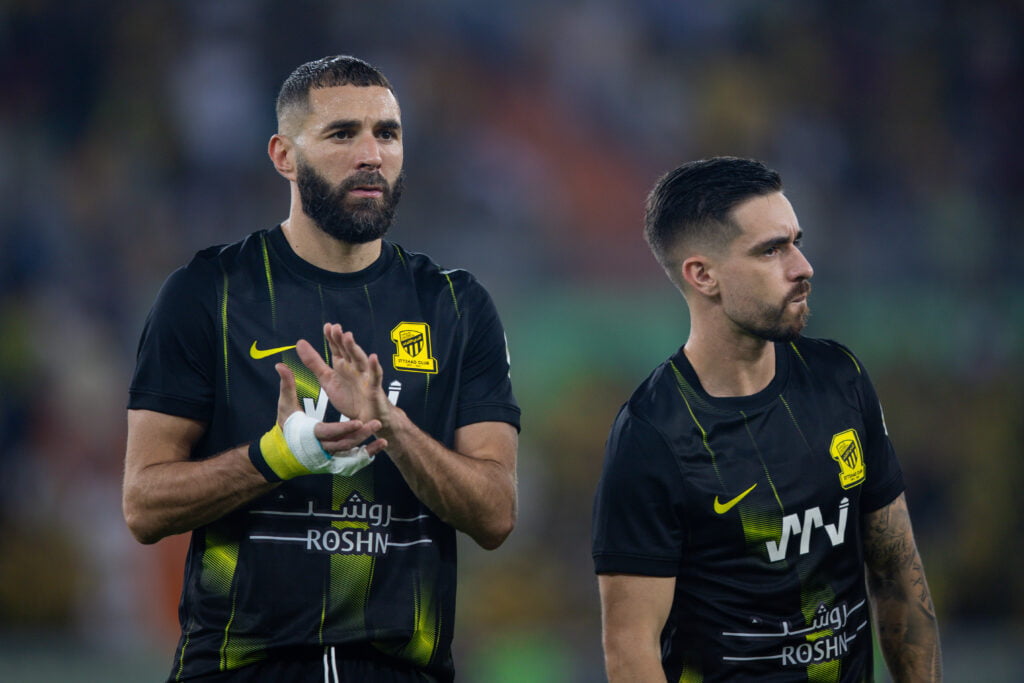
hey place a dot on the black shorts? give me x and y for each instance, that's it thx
(329, 665)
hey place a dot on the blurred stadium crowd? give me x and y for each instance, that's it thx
(134, 134)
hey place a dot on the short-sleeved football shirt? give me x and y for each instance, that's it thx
(321, 560)
(754, 505)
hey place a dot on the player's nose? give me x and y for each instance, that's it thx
(801, 267)
(367, 152)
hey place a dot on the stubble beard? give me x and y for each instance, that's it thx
(357, 220)
(770, 322)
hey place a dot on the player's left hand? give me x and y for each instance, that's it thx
(353, 380)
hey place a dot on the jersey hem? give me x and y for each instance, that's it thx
(489, 412)
(890, 492)
(171, 405)
(632, 564)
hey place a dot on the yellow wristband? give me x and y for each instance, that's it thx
(278, 456)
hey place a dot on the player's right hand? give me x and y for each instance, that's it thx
(300, 445)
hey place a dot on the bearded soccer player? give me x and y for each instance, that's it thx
(751, 523)
(322, 409)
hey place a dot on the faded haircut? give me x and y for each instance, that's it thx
(325, 72)
(691, 205)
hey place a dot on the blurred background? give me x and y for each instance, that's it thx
(134, 134)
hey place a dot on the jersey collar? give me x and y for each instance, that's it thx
(732, 403)
(279, 244)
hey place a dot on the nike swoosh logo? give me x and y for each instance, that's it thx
(722, 508)
(263, 353)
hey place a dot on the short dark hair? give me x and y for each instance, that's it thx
(326, 72)
(692, 203)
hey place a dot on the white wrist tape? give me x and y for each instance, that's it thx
(298, 434)
(350, 462)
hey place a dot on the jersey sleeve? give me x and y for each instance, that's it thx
(638, 527)
(175, 365)
(485, 387)
(885, 477)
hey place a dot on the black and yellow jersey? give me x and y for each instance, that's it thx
(321, 560)
(754, 505)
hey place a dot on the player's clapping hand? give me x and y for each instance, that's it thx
(300, 444)
(335, 437)
(353, 380)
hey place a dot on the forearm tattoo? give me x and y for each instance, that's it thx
(907, 626)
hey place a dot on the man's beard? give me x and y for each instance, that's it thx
(357, 220)
(770, 323)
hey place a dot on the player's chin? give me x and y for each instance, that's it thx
(799, 315)
(791, 332)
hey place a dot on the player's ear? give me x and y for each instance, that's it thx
(696, 272)
(282, 153)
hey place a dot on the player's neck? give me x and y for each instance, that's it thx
(731, 365)
(313, 245)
